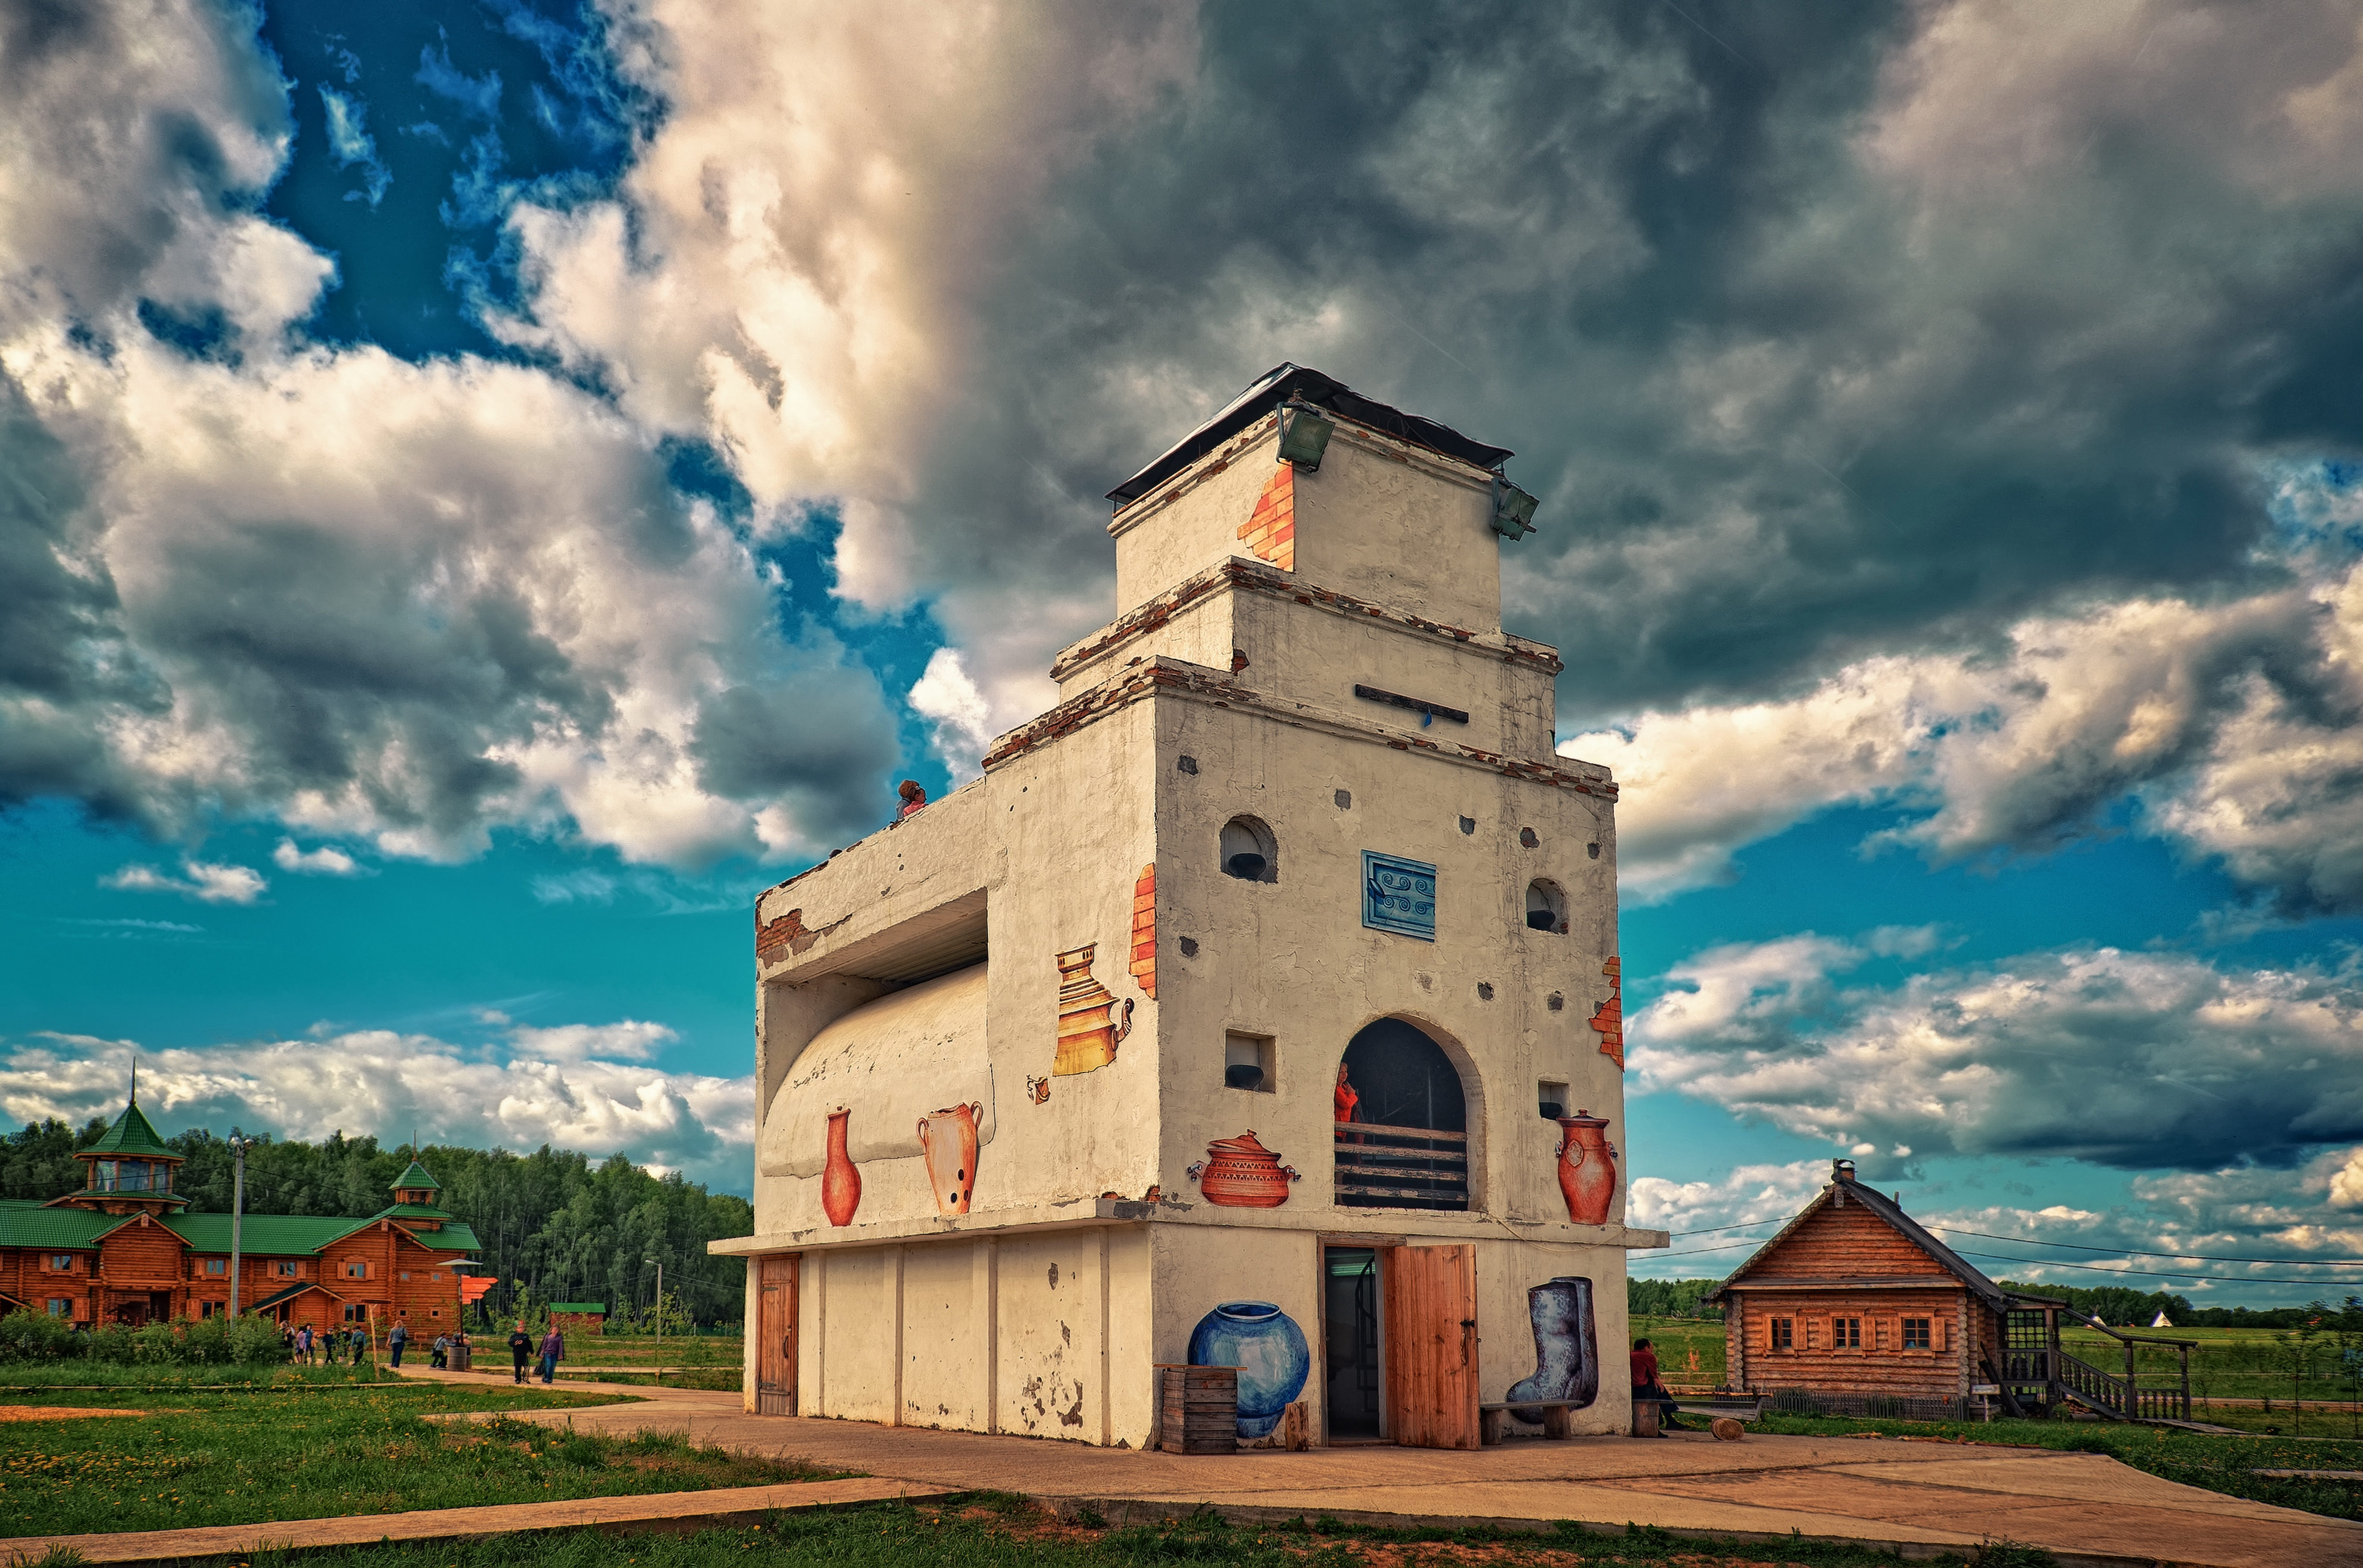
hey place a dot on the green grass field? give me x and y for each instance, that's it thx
(1010, 1534)
(308, 1447)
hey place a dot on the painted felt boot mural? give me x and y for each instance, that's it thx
(1567, 1353)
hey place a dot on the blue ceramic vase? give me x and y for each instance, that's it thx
(1567, 1355)
(1266, 1347)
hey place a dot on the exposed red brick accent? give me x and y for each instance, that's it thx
(1144, 929)
(788, 934)
(1610, 1019)
(1271, 531)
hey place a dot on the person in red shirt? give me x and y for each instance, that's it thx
(1646, 1386)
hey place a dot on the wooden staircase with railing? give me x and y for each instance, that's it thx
(2118, 1397)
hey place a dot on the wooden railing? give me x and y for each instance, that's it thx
(1401, 1167)
(2120, 1396)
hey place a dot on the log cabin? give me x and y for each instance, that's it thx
(1857, 1308)
(122, 1249)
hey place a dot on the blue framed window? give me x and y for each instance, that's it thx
(1399, 895)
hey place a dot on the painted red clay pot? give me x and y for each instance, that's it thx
(1240, 1172)
(840, 1183)
(1587, 1168)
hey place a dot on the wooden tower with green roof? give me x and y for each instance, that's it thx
(129, 1170)
(416, 1188)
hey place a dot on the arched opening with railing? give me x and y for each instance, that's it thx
(1402, 1121)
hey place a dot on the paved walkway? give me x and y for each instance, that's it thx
(2087, 1507)
(683, 1511)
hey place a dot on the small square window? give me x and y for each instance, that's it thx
(405, 1276)
(1249, 1061)
(1785, 1333)
(1846, 1333)
(61, 1262)
(1551, 1098)
(60, 1308)
(285, 1269)
(1915, 1334)
(216, 1265)
(357, 1271)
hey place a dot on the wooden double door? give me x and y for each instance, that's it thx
(775, 1334)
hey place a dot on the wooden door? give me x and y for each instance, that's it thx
(775, 1345)
(1431, 1345)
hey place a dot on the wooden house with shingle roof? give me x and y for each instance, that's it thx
(1857, 1306)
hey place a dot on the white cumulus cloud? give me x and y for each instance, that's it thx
(208, 881)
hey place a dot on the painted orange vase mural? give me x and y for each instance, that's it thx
(1088, 1035)
(840, 1183)
(947, 1140)
(1587, 1167)
(1240, 1172)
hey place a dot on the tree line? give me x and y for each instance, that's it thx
(554, 1226)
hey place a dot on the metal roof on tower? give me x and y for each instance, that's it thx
(416, 1176)
(1288, 380)
(132, 1136)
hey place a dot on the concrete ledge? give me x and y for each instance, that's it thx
(673, 1513)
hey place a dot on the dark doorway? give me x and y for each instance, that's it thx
(1351, 1335)
(1401, 1132)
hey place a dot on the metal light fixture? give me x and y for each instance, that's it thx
(1303, 436)
(1513, 510)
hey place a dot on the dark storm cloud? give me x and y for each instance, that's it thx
(2140, 1061)
(812, 739)
(1794, 385)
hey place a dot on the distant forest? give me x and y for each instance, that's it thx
(569, 1229)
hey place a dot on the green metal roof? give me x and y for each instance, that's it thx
(132, 1135)
(598, 1306)
(46, 1227)
(267, 1235)
(412, 1211)
(416, 1176)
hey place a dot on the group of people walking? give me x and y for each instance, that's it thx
(332, 1347)
(328, 1347)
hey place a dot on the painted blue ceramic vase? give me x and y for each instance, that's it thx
(1266, 1347)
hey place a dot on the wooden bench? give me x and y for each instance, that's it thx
(1738, 1410)
(1558, 1417)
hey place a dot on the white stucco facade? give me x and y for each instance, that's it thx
(1035, 1288)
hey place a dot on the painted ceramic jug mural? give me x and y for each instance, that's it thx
(1266, 1347)
(1587, 1167)
(948, 1142)
(840, 1183)
(1088, 1036)
(1240, 1172)
(1567, 1355)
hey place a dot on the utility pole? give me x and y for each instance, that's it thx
(237, 1210)
(659, 1263)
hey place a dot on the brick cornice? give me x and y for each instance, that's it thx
(1196, 683)
(1254, 577)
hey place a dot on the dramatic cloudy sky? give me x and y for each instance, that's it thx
(487, 485)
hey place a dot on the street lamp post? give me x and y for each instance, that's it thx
(236, 1211)
(659, 1263)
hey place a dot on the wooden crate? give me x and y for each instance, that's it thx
(1198, 1409)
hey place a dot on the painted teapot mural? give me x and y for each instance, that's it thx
(948, 1142)
(1587, 1167)
(1240, 1172)
(1088, 1036)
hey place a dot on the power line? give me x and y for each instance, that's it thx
(1696, 1251)
(1719, 1230)
(2146, 1274)
(2137, 1252)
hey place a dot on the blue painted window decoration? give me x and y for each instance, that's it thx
(1399, 895)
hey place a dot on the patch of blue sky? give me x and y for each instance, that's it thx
(2316, 505)
(446, 71)
(351, 144)
(478, 96)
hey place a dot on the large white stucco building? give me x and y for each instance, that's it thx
(1297, 809)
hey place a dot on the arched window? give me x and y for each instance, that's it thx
(1403, 1119)
(1249, 852)
(1546, 907)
